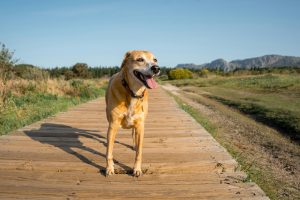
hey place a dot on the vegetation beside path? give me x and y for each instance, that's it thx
(269, 156)
(23, 102)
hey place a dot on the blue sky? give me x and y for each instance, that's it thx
(51, 33)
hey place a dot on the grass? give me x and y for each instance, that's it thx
(24, 102)
(201, 119)
(264, 83)
(271, 99)
(252, 169)
(268, 158)
(283, 119)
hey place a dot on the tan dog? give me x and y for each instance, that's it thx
(127, 102)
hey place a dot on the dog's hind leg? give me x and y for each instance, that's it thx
(111, 134)
(133, 139)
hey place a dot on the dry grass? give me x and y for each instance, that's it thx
(25, 101)
(59, 87)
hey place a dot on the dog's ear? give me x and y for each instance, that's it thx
(128, 53)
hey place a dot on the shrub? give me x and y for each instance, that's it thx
(69, 75)
(84, 90)
(180, 73)
(203, 73)
(6, 62)
(81, 70)
(30, 72)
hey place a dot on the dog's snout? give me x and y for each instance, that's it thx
(155, 69)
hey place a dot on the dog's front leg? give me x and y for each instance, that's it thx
(111, 134)
(139, 137)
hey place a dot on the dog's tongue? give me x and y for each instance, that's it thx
(151, 82)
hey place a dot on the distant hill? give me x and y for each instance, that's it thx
(267, 61)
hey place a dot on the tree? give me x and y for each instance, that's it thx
(6, 62)
(81, 70)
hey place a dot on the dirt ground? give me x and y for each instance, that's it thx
(271, 160)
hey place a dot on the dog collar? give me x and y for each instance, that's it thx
(125, 84)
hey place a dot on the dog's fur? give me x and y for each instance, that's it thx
(123, 110)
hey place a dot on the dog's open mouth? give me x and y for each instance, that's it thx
(147, 80)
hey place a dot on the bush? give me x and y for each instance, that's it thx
(203, 73)
(81, 70)
(84, 90)
(180, 73)
(69, 75)
(6, 62)
(30, 72)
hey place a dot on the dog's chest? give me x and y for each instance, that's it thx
(134, 114)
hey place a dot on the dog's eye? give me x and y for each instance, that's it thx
(140, 59)
(155, 60)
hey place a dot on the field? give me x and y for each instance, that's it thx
(271, 99)
(25, 101)
(257, 119)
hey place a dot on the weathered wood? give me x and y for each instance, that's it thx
(63, 157)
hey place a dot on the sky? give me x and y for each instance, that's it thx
(50, 33)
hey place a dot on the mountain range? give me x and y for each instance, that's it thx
(267, 61)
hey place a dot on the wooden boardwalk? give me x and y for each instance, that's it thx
(63, 157)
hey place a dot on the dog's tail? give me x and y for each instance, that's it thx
(133, 138)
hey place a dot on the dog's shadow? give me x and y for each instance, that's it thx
(63, 131)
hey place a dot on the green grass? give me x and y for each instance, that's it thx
(265, 83)
(271, 99)
(34, 105)
(196, 115)
(287, 121)
(254, 173)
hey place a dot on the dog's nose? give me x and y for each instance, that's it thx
(155, 69)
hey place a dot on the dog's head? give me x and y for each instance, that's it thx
(142, 66)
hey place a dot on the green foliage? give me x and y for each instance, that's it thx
(271, 99)
(276, 117)
(80, 70)
(98, 72)
(30, 72)
(84, 91)
(203, 73)
(6, 62)
(34, 105)
(180, 73)
(269, 82)
(31, 107)
(266, 82)
(257, 71)
(69, 75)
(201, 119)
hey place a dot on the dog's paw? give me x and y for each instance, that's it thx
(110, 171)
(137, 172)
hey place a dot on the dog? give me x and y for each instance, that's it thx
(127, 102)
